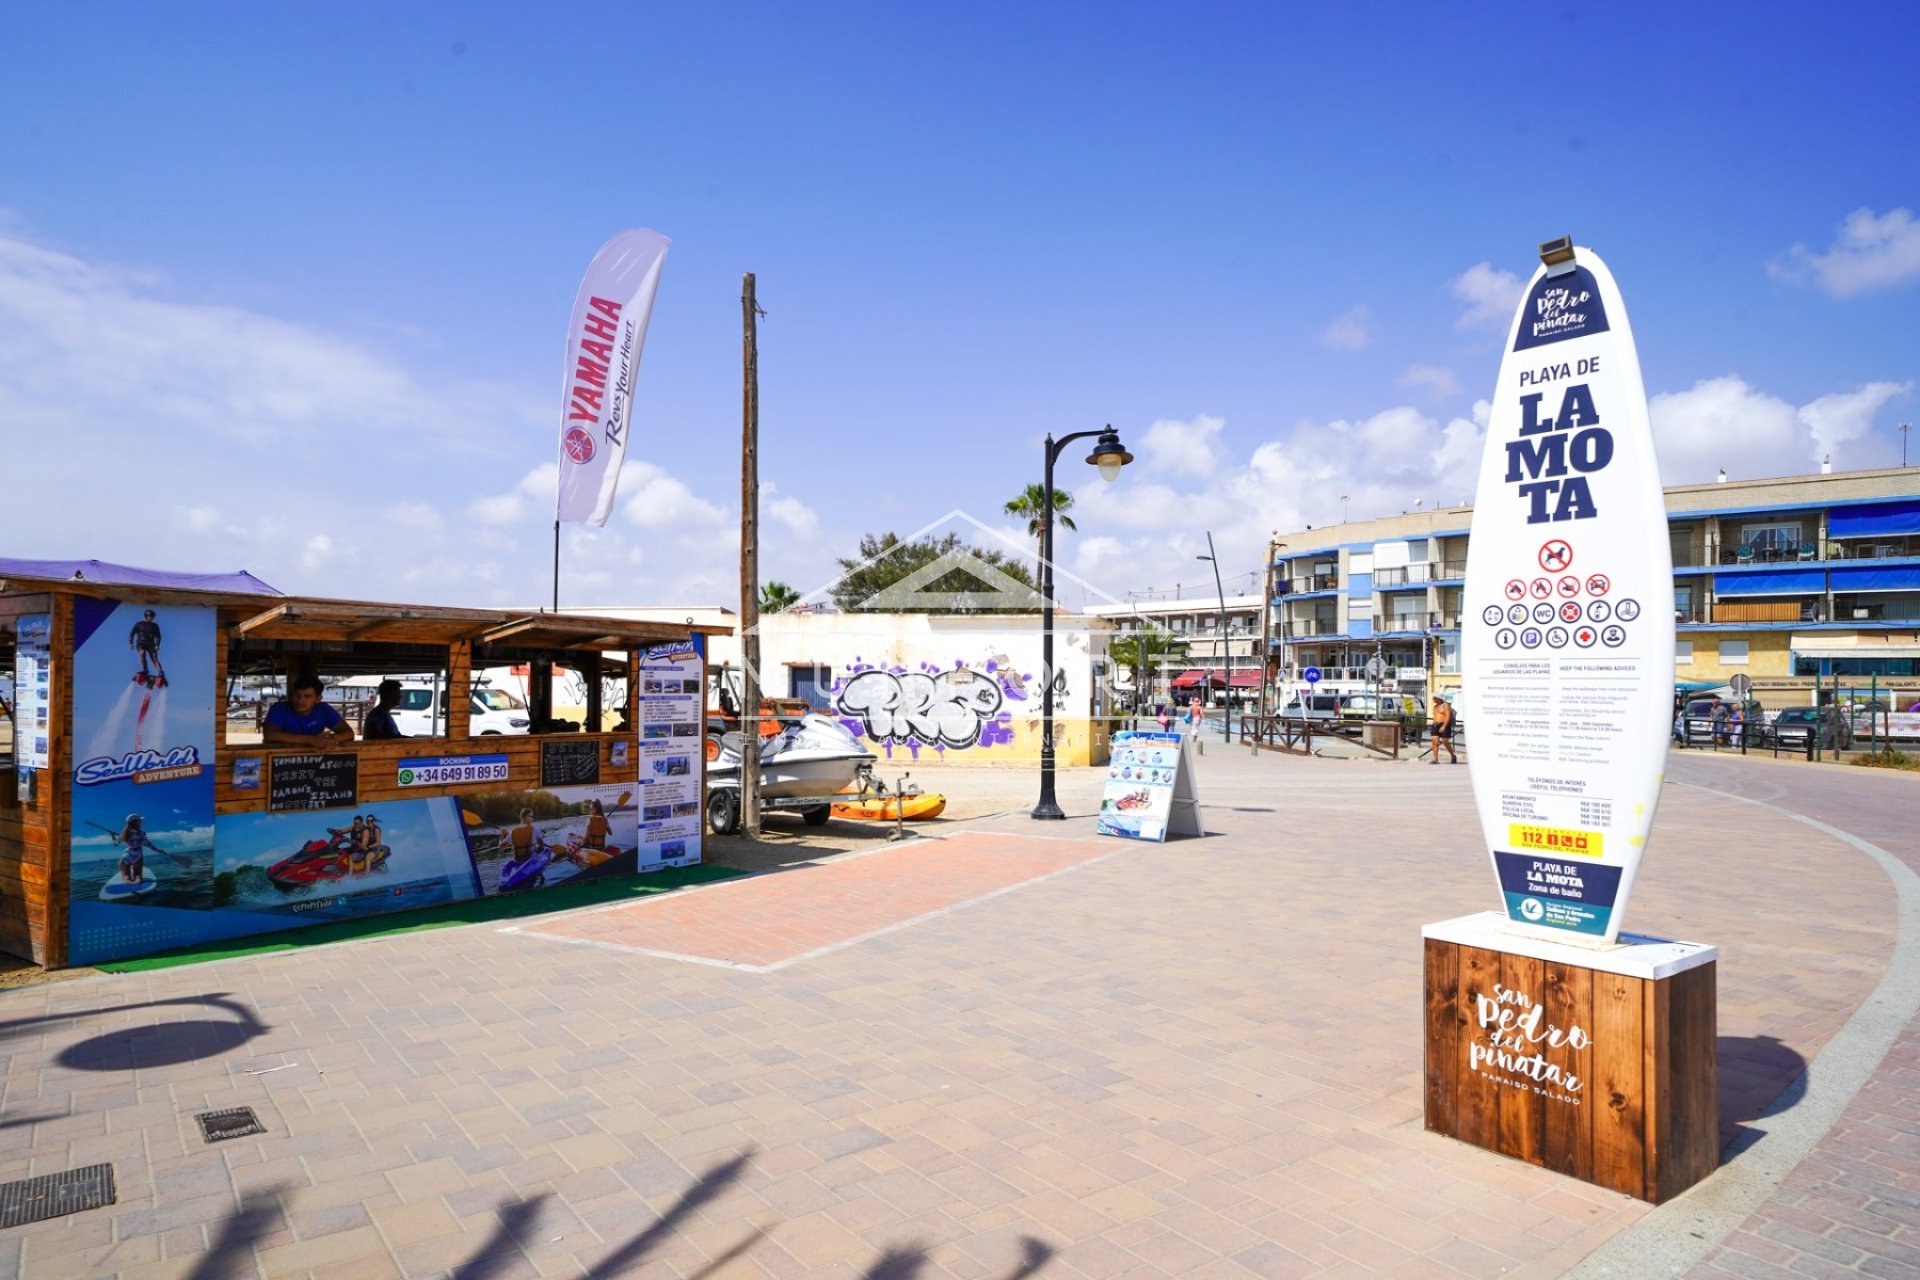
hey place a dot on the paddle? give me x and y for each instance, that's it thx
(180, 858)
(473, 819)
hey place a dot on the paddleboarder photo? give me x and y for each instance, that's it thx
(133, 863)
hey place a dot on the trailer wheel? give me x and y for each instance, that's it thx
(723, 811)
(817, 816)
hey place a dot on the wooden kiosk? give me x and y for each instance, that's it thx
(1593, 1062)
(268, 808)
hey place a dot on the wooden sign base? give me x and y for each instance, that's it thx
(1595, 1063)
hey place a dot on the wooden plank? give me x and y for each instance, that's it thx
(1445, 1030)
(1618, 1088)
(1519, 1107)
(1689, 1092)
(1567, 1137)
(459, 690)
(1476, 1109)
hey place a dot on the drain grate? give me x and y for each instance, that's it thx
(218, 1126)
(56, 1195)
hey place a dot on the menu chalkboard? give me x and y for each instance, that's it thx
(569, 762)
(314, 782)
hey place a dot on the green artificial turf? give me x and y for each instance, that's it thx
(563, 897)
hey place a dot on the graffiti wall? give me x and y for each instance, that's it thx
(987, 708)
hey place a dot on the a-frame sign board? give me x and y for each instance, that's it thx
(1151, 791)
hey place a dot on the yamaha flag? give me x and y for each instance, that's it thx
(603, 357)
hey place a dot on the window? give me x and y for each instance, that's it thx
(1683, 603)
(1416, 550)
(1682, 653)
(1360, 607)
(1733, 653)
(1778, 536)
(1360, 562)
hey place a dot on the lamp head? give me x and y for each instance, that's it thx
(1109, 455)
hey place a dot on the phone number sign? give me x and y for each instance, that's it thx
(443, 771)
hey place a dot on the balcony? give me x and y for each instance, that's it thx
(1413, 623)
(1313, 627)
(1403, 576)
(1314, 582)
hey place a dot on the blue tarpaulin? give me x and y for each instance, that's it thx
(1875, 519)
(1865, 578)
(133, 576)
(1770, 582)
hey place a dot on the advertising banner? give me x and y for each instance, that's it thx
(1150, 790)
(609, 327)
(32, 699)
(287, 870)
(141, 851)
(524, 840)
(672, 742)
(1567, 638)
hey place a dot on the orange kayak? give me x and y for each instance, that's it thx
(888, 808)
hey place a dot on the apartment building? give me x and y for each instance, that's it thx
(1787, 580)
(1219, 645)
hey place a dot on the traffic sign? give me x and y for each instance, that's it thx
(1742, 685)
(1311, 675)
(1376, 668)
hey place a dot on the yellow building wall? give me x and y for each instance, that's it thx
(1768, 656)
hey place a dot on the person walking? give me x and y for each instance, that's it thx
(1442, 716)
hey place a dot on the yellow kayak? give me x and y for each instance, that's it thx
(888, 808)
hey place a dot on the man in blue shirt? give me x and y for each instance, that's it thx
(302, 720)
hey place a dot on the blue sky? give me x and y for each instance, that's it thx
(286, 288)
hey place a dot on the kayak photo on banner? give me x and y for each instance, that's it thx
(141, 838)
(536, 839)
(288, 870)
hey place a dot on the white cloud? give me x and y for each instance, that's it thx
(1725, 422)
(660, 501)
(1435, 382)
(316, 551)
(538, 486)
(1352, 330)
(1491, 296)
(197, 519)
(1869, 253)
(791, 514)
(1189, 448)
(416, 516)
(1838, 423)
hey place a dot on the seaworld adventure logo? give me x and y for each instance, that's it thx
(141, 766)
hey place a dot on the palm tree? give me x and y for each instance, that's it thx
(776, 597)
(1030, 504)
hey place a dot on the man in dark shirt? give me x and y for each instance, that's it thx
(145, 640)
(379, 722)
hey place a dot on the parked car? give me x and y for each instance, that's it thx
(1319, 708)
(1358, 708)
(422, 711)
(1793, 727)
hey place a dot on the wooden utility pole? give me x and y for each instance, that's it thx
(750, 562)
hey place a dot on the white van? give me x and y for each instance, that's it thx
(421, 711)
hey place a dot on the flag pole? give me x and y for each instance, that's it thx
(556, 564)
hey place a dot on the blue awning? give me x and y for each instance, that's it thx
(1875, 519)
(1863, 578)
(1771, 582)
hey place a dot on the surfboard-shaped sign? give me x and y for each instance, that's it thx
(1567, 635)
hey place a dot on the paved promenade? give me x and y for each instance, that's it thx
(1018, 1050)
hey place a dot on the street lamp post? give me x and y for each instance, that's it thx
(1109, 455)
(1226, 654)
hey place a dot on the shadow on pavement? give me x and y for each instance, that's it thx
(231, 1253)
(161, 1044)
(1759, 1077)
(262, 1213)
